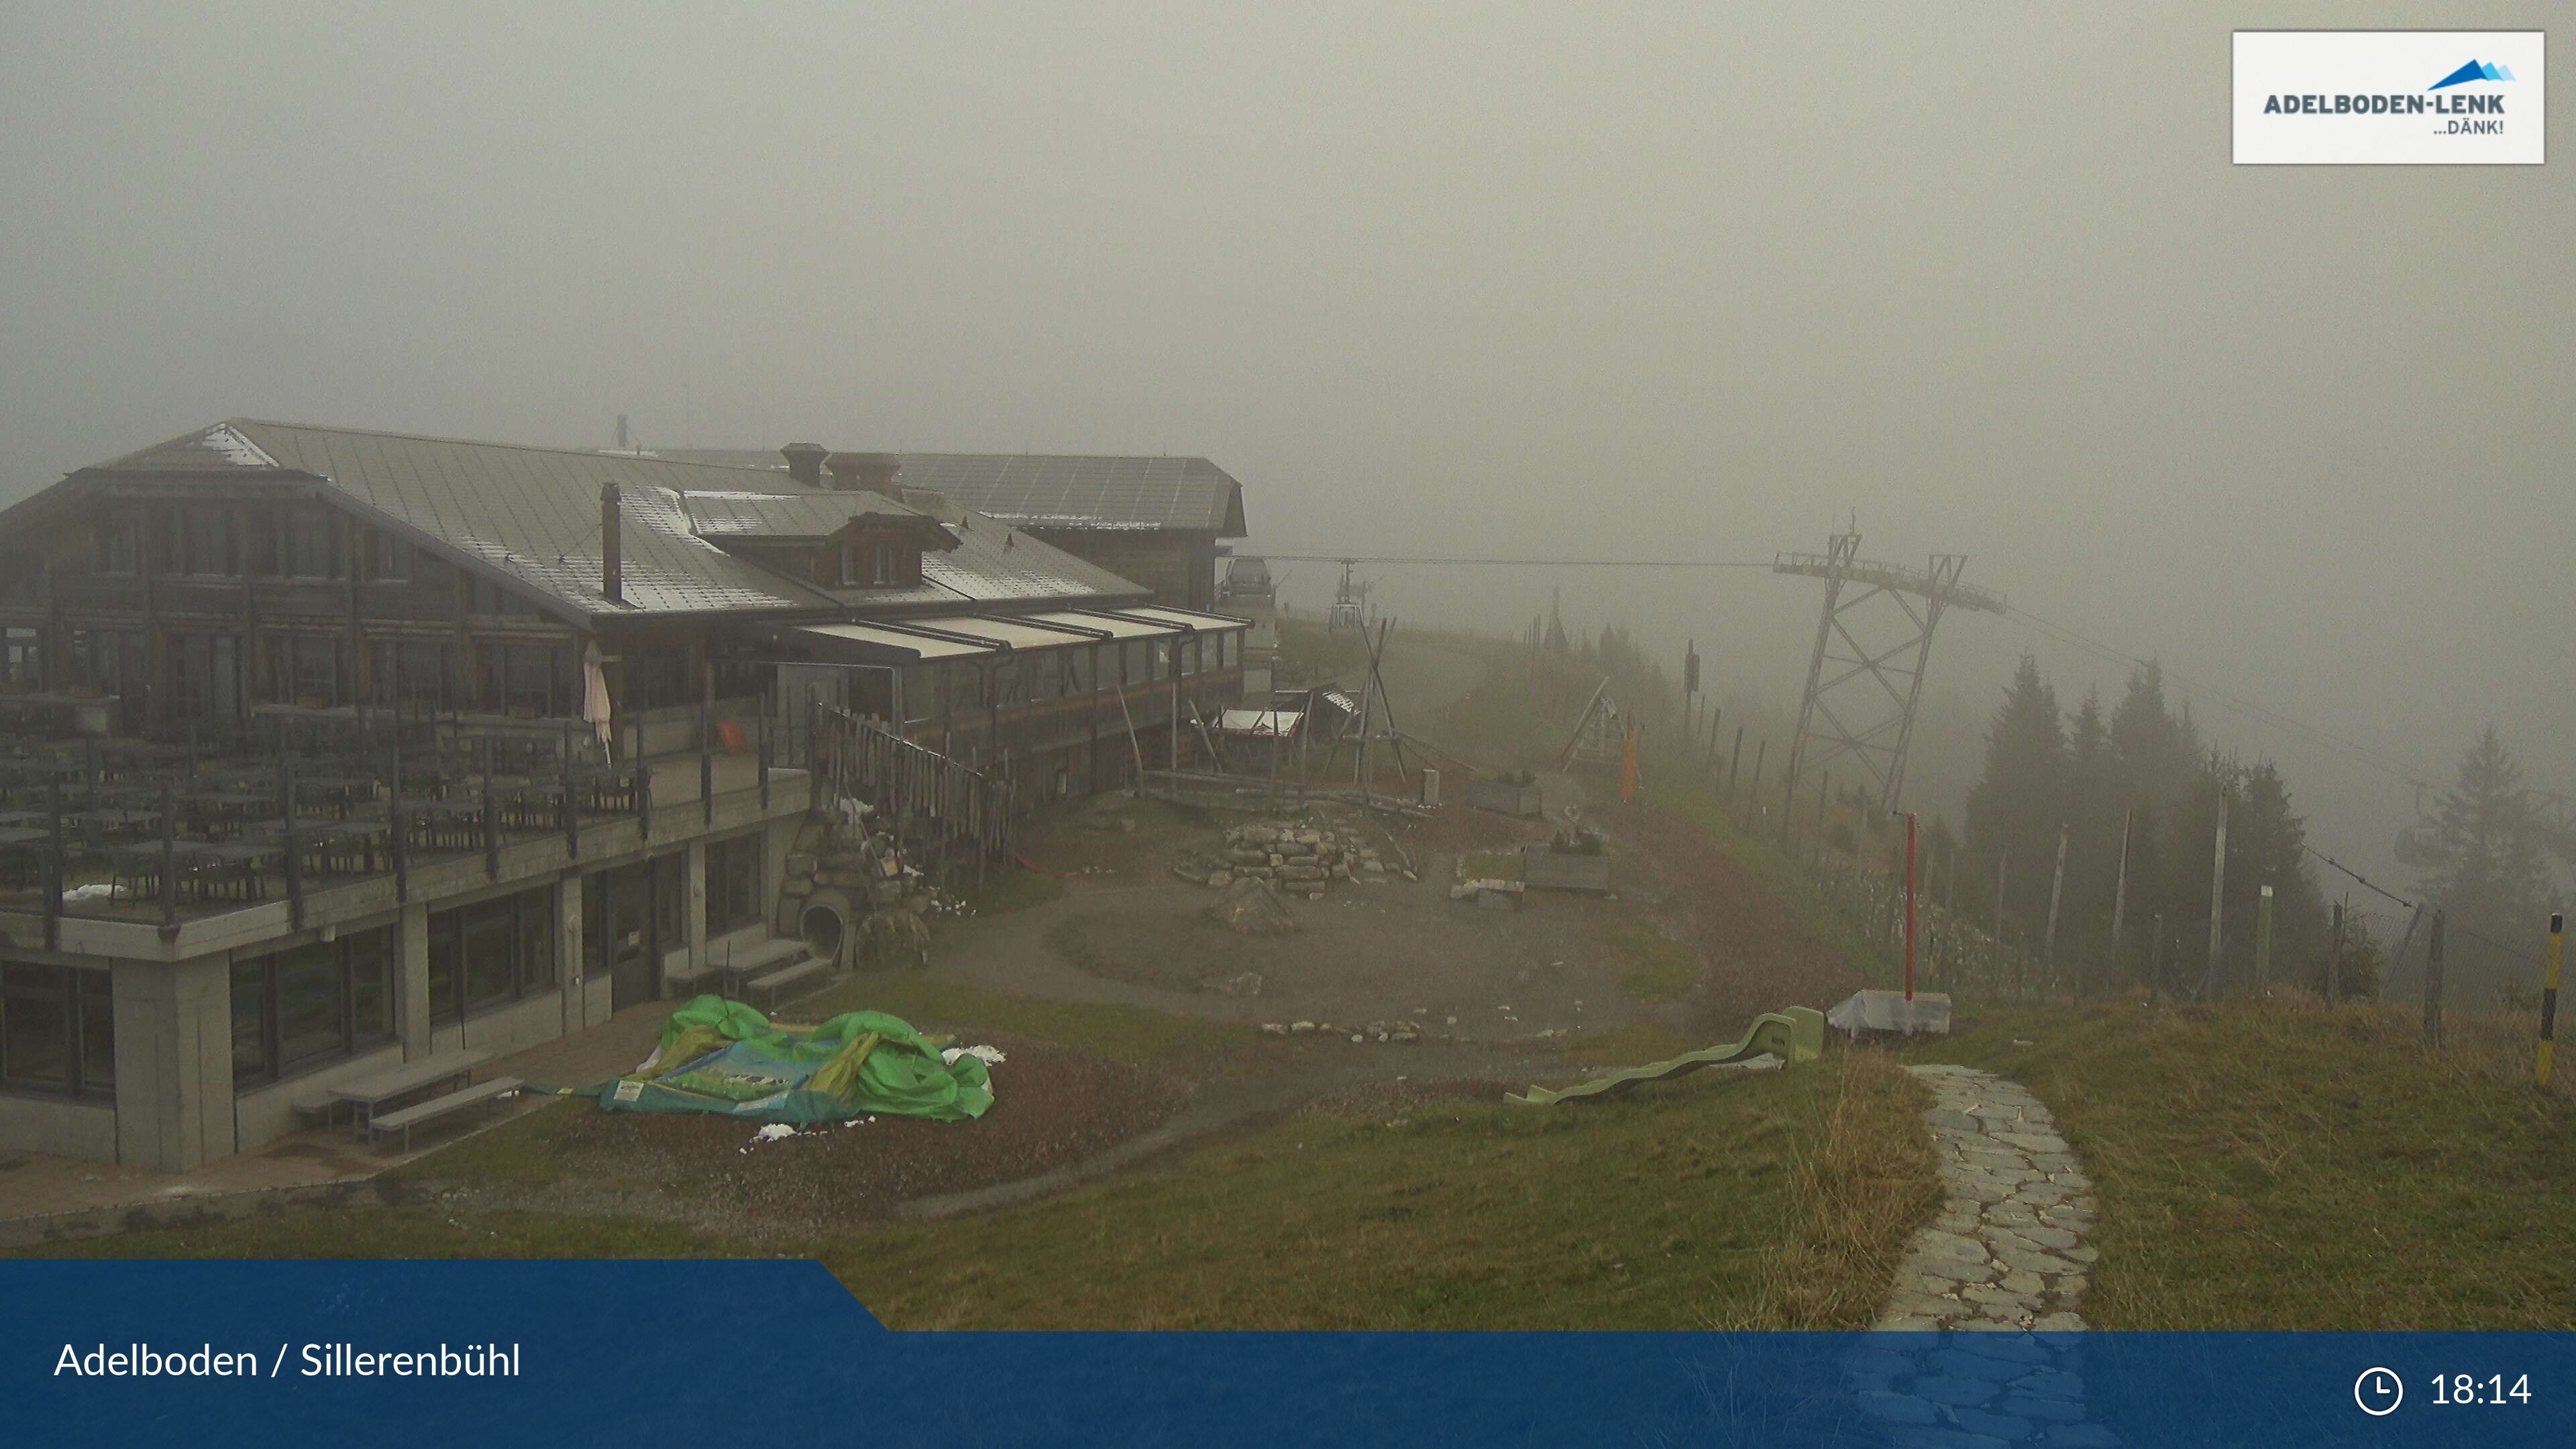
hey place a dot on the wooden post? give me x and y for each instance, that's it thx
(1734, 765)
(2263, 941)
(1909, 905)
(293, 845)
(1760, 749)
(2433, 986)
(2549, 997)
(2003, 859)
(169, 858)
(2156, 958)
(568, 807)
(2056, 888)
(2217, 901)
(54, 858)
(2334, 958)
(1824, 797)
(2120, 895)
(491, 819)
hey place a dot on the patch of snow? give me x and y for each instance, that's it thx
(223, 440)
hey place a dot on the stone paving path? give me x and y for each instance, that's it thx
(2007, 1259)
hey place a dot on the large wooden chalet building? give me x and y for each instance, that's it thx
(549, 712)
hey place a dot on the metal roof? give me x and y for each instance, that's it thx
(1118, 626)
(909, 646)
(532, 515)
(1055, 490)
(1190, 619)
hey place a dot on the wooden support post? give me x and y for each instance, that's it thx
(2217, 902)
(2541, 1069)
(293, 844)
(2119, 898)
(1734, 763)
(1824, 798)
(399, 843)
(2433, 986)
(2334, 956)
(2263, 941)
(2056, 889)
(54, 860)
(2003, 863)
(1760, 749)
(169, 859)
(569, 810)
(491, 819)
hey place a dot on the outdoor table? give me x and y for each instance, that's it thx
(446, 824)
(322, 834)
(369, 1094)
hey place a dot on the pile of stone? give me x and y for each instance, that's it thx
(865, 864)
(1295, 859)
(1398, 1032)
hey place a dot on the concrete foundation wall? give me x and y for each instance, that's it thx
(62, 1127)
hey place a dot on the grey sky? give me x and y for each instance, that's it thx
(1668, 280)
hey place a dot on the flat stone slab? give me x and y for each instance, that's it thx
(2001, 1272)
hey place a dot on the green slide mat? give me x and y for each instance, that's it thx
(1793, 1034)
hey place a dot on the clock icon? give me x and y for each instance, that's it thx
(2378, 1392)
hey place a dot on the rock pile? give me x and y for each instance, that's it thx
(1400, 1032)
(1295, 859)
(863, 863)
(1248, 907)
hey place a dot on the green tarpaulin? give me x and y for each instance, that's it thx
(724, 1057)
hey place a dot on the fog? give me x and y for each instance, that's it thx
(1671, 282)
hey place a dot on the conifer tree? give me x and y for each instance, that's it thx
(2016, 805)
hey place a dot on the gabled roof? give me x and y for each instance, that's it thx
(1043, 490)
(533, 514)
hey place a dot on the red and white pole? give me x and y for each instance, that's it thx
(1909, 905)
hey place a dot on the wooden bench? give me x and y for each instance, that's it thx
(437, 1107)
(370, 1093)
(776, 982)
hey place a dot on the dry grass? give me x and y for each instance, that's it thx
(1865, 1183)
(2277, 1165)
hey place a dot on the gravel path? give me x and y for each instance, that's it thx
(2007, 1256)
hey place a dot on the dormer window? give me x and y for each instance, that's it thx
(867, 566)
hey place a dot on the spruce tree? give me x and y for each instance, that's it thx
(2484, 867)
(2017, 803)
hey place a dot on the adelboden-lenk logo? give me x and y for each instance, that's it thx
(2365, 97)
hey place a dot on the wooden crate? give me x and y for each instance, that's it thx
(1504, 798)
(1545, 869)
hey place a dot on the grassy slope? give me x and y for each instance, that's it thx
(2268, 1166)
(1694, 1205)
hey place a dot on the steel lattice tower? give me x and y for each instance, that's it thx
(1864, 709)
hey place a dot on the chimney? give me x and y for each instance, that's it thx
(612, 568)
(865, 473)
(805, 462)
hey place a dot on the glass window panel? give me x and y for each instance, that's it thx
(35, 1028)
(444, 999)
(250, 1022)
(491, 946)
(536, 939)
(98, 1033)
(371, 985)
(310, 987)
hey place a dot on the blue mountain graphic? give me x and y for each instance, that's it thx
(2473, 71)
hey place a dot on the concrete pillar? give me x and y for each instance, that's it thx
(571, 963)
(694, 873)
(174, 1063)
(411, 969)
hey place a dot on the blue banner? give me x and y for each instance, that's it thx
(491, 1354)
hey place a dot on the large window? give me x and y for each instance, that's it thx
(202, 543)
(671, 899)
(24, 657)
(312, 544)
(532, 681)
(491, 953)
(57, 1031)
(416, 674)
(205, 676)
(733, 884)
(310, 1004)
(307, 668)
(117, 546)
